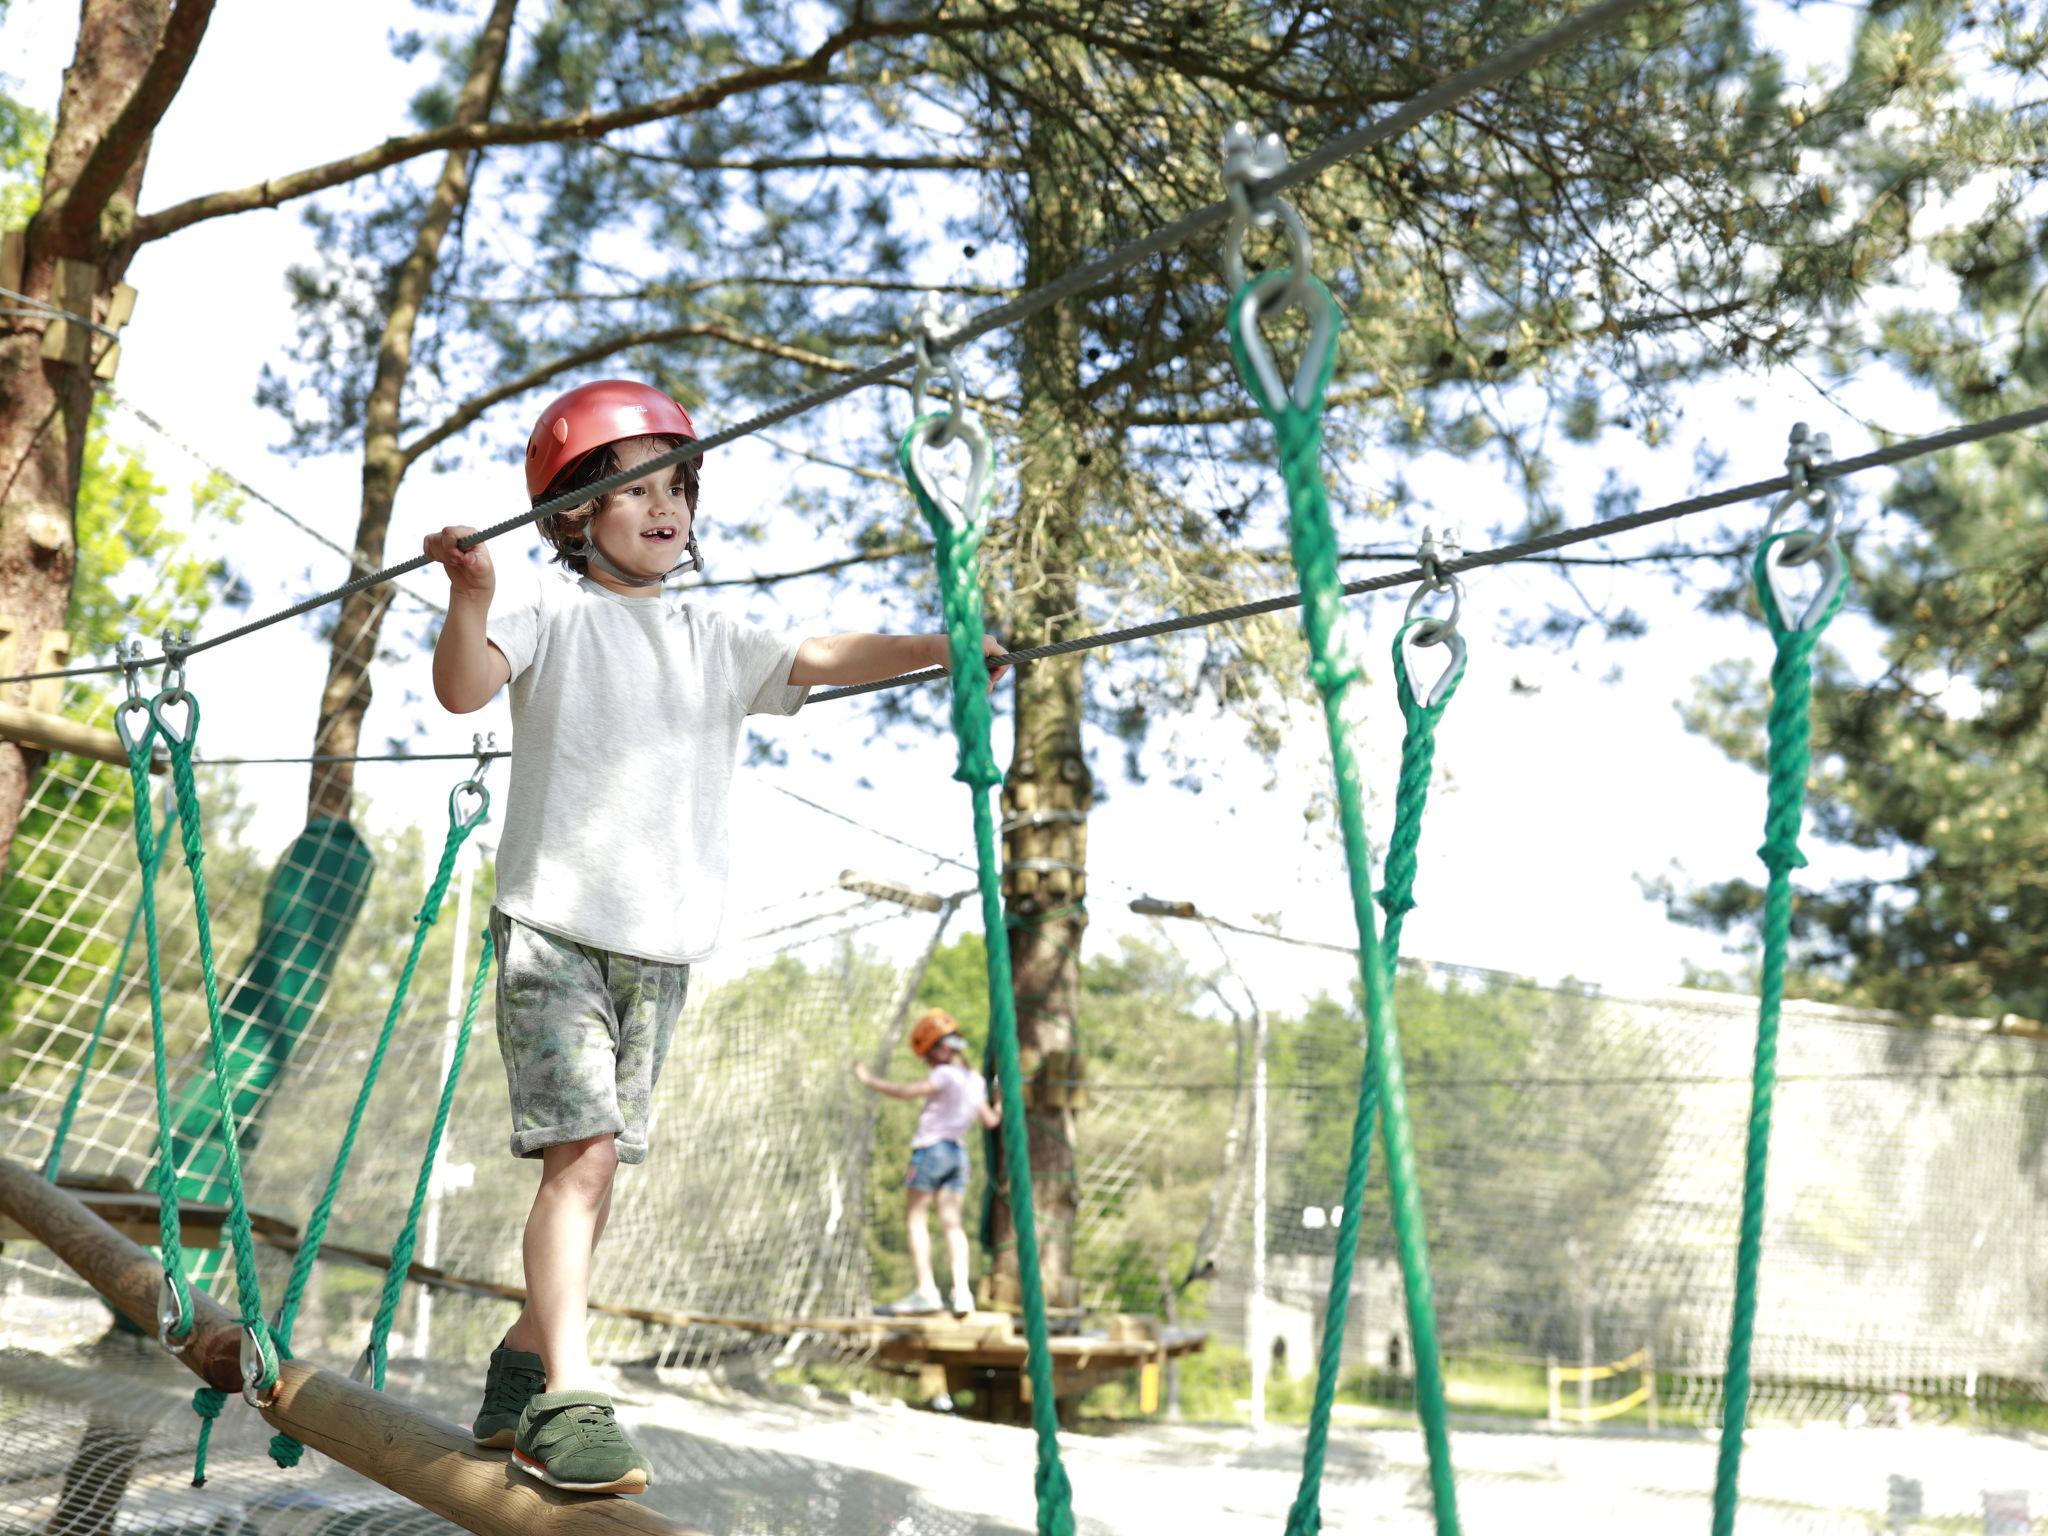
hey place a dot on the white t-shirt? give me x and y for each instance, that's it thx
(627, 719)
(951, 1110)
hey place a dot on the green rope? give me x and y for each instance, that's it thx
(148, 855)
(1298, 433)
(1790, 756)
(207, 1402)
(55, 1161)
(1397, 898)
(402, 1249)
(284, 1450)
(248, 1285)
(960, 593)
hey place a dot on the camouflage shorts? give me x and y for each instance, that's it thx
(583, 1033)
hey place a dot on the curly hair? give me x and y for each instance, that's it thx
(564, 530)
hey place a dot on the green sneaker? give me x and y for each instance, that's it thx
(572, 1440)
(514, 1379)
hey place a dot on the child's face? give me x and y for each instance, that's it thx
(643, 525)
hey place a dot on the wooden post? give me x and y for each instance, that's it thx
(54, 733)
(435, 1465)
(1553, 1381)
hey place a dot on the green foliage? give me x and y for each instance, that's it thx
(132, 579)
(24, 141)
(1937, 766)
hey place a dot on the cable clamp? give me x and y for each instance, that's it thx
(130, 653)
(177, 644)
(1432, 557)
(932, 327)
(1806, 452)
(1420, 629)
(485, 745)
(1785, 548)
(1250, 162)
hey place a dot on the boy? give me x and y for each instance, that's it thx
(628, 712)
(954, 1098)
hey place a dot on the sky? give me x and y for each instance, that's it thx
(1567, 775)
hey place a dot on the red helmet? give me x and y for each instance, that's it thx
(932, 1030)
(589, 417)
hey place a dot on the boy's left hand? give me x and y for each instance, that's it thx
(990, 646)
(860, 1071)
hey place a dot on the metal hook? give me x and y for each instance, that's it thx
(1418, 633)
(1807, 451)
(173, 1321)
(259, 1367)
(176, 735)
(132, 706)
(465, 820)
(1265, 294)
(964, 515)
(931, 325)
(1250, 161)
(1781, 552)
(485, 745)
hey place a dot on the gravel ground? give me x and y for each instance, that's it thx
(739, 1461)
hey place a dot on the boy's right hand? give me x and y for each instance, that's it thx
(469, 570)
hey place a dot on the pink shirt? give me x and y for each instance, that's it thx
(951, 1108)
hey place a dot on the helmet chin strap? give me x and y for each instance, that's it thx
(587, 548)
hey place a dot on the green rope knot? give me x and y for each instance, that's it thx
(207, 1402)
(285, 1451)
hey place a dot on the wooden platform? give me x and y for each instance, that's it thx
(132, 1213)
(984, 1353)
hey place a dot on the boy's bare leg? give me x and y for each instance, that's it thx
(956, 1237)
(917, 1228)
(569, 1212)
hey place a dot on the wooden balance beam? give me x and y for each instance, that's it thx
(434, 1464)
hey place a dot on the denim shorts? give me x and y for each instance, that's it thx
(940, 1166)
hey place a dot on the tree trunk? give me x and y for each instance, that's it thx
(74, 253)
(346, 697)
(1048, 792)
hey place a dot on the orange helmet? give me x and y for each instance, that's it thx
(592, 415)
(932, 1030)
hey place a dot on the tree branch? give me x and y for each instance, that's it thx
(597, 351)
(867, 557)
(580, 125)
(698, 285)
(820, 162)
(129, 134)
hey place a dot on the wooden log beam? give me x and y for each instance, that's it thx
(54, 733)
(434, 1464)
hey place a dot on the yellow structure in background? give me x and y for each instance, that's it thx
(1585, 1411)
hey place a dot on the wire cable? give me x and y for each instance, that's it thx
(1446, 93)
(1628, 522)
(1880, 458)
